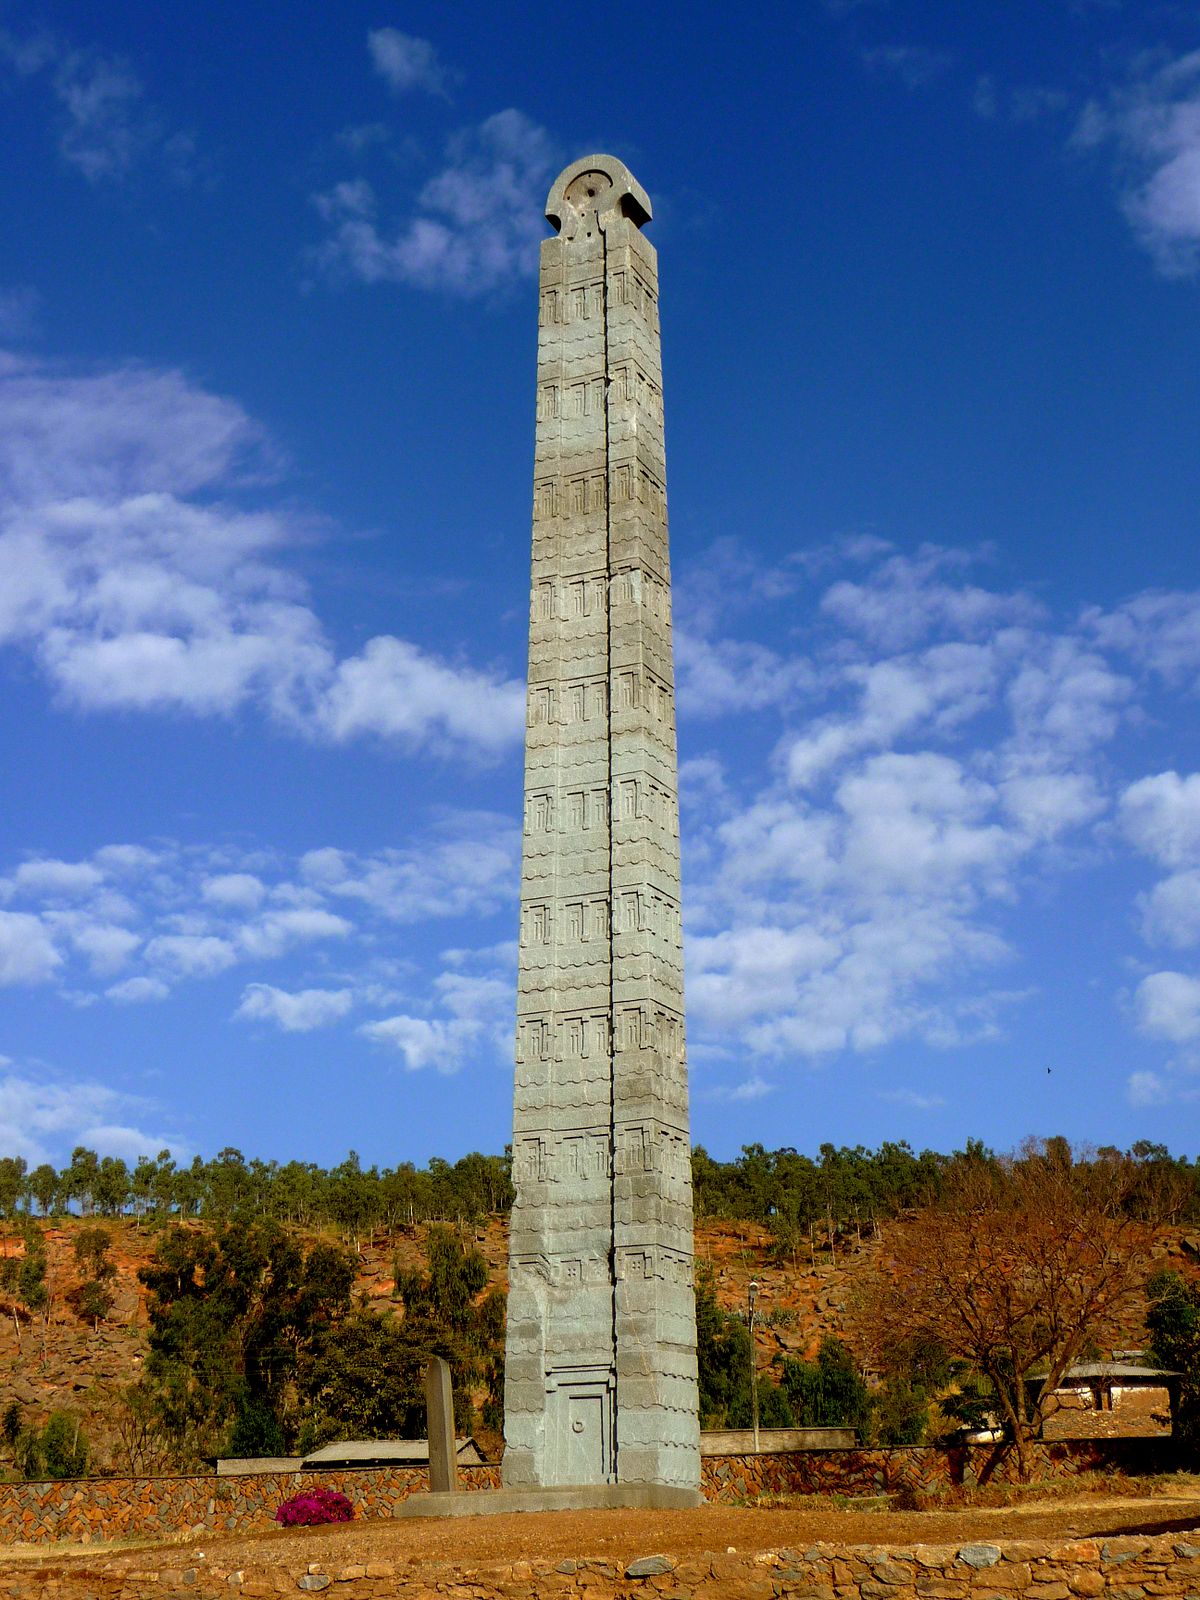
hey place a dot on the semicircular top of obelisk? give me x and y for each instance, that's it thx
(596, 183)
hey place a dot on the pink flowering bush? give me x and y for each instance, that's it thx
(314, 1506)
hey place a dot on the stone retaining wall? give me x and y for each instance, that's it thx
(89, 1510)
(93, 1509)
(1126, 1568)
(923, 1469)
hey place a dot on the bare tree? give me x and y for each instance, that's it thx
(1019, 1265)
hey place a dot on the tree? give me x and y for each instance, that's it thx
(141, 1446)
(24, 1276)
(112, 1188)
(64, 1446)
(1019, 1265)
(79, 1180)
(365, 1380)
(93, 1299)
(59, 1450)
(12, 1184)
(1173, 1323)
(448, 1313)
(829, 1392)
(43, 1186)
(231, 1313)
(724, 1356)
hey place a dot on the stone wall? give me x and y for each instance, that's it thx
(90, 1510)
(1126, 1568)
(922, 1469)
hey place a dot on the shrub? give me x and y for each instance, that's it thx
(64, 1446)
(314, 1506)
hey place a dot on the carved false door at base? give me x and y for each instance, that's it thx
(580, 1418)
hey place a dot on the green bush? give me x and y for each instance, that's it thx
(828, 1392)
(64, 1446)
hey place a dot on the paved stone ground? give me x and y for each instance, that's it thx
(423, 1545)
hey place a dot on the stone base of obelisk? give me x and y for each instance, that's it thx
(564, 1497)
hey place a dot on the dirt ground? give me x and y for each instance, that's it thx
(625, 1535)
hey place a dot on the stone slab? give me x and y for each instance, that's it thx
(439, 1406)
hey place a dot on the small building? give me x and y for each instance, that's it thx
(349, 1453)
(385, 1453)
(1110, 1400)
(238, 1466)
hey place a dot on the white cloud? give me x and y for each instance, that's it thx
(394, 690)
(869, 906)
(898, 696)
(1147, 1089)
(27, 954)
(1168, 1006)
(53, 879)
(363, 136)
(755, 1087)
(1159, 630)
(474, 995)
(467, 863)
(18, 312)
(914, 64)
(405, 62)
(42, 1119)
(1065, 699)
(1025, 103)
(1161, 816)
(919, 824)
(1046, 804)
(423, 1042)
(197, 912)
(192, 955)
(1171, 911)
(132, 592)
(278, 931)
(905, 598)
(847, 926)
(106, 945)
(138, 991)
(478, 222)
(1153, 124)
(297, 1012)
(119, 1139)
(717, 676)
(106, 128)
(742, 973)
(234, 891)
(913, 1099)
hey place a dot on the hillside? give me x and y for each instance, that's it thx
(68, 1363)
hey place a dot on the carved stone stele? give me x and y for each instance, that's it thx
(600, 1376)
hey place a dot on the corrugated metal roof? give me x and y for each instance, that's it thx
(1084, 1370)
(384, 1453)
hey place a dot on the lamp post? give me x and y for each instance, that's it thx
(752, 1299)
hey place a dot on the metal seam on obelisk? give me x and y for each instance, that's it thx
(608, 690)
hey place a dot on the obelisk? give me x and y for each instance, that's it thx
(600, 1383)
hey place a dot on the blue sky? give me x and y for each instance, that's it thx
(931, 323)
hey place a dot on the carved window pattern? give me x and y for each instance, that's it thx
(545, 497)
(548, 402)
